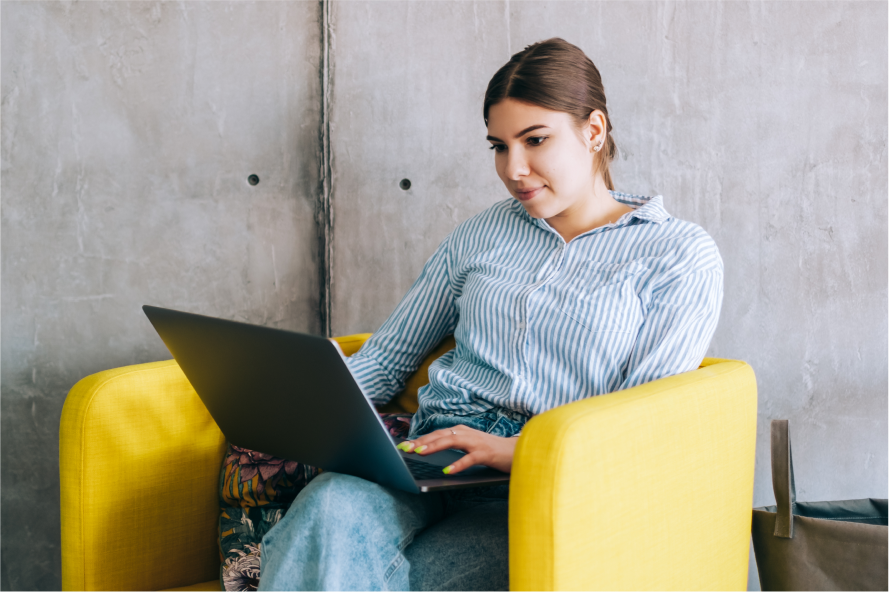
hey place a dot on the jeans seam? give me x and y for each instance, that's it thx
(393, 567)
(399, 557)
(405, 542)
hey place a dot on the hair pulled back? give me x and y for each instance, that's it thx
(555, 75)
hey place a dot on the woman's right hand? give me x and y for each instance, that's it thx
(481, 448)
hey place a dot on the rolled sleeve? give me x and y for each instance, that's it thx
(425, 315)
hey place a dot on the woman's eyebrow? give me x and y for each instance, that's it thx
(520, 134)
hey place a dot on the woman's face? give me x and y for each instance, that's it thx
(543, 159)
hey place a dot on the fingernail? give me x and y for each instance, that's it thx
(406, 446)
(447, 470)
(421, 448)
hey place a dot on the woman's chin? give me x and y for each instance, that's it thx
(536, 209)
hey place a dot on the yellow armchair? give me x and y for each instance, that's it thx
(648, 488)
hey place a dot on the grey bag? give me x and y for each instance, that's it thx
(817, 545)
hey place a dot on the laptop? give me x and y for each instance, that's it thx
(292, 395)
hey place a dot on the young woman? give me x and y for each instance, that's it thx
(566, 290)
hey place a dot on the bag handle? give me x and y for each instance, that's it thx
(782, 478)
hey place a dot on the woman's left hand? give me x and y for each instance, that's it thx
(481, 448)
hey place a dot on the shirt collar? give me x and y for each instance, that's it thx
(646, 209)
(649, 209)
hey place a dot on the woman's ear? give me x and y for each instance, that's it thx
(596, 130)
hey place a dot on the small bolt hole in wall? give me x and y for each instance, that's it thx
(253, 179)
(405, 184)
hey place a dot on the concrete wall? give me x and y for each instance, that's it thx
(766, 123)
(129, 131)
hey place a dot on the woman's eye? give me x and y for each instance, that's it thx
(536, 140)
(498, 147)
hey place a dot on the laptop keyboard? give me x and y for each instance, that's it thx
(422, 470)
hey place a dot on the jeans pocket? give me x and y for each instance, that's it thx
(508, 424)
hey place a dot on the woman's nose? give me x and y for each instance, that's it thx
(517, 165)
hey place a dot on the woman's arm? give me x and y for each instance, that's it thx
(681, 318)
(425, 315)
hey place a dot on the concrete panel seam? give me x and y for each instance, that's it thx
(324, 216)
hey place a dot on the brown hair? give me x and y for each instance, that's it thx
(556, 75)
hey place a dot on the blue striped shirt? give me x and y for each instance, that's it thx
(539, 322)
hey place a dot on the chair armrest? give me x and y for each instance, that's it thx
(139, 459)
(648, 488)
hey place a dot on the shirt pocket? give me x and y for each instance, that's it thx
(602, 297)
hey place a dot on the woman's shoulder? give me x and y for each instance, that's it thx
(685, 232)
(671, 237)
(692, 247)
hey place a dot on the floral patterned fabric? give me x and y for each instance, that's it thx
(255, 491)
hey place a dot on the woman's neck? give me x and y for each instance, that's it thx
(597, 209)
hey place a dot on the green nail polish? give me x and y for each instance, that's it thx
(447, 470)
(403, 446)
(421, 449)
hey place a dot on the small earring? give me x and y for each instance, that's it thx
(598, 146)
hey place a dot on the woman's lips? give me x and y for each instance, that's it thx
(526, 194)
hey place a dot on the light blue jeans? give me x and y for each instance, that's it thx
(347, 533)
